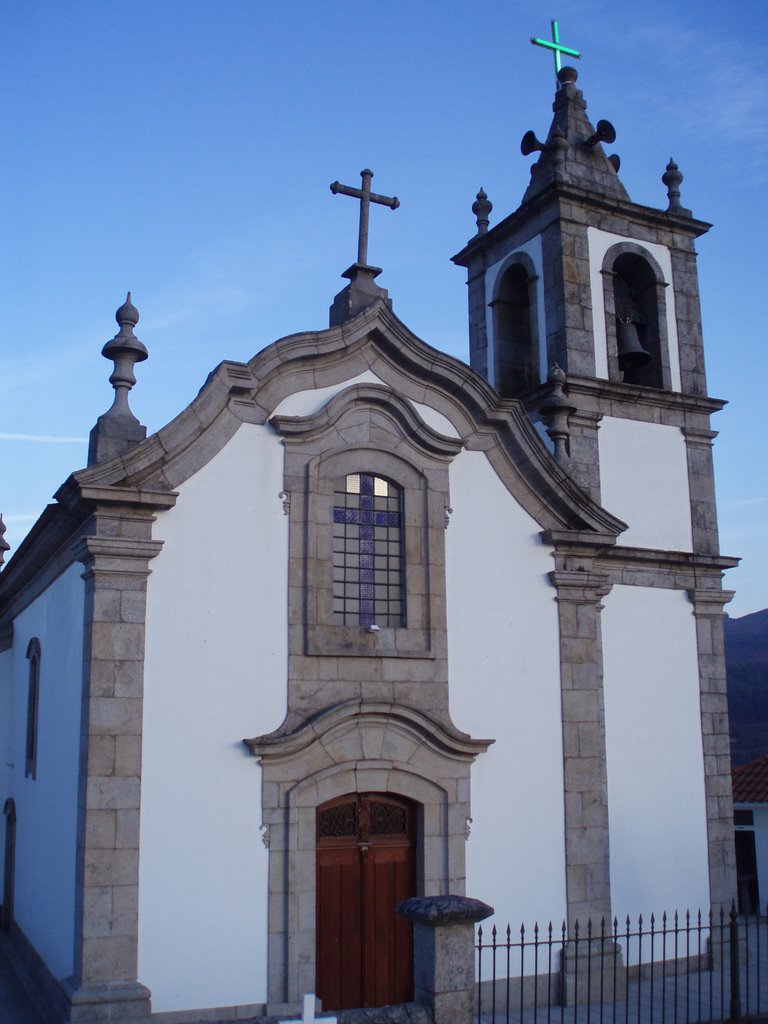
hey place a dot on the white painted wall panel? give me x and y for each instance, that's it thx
(306, 403)
(46, 807)
(644, 481)
(216, 667)
(504, 672)
(6, 709)
(656, 805)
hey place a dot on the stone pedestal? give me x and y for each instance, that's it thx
(592, 971)
(444, 953)
(361, 291)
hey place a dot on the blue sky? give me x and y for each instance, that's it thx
(184, 150)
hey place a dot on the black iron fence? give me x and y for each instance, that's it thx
(679, 969)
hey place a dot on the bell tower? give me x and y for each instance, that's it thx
(607, 289)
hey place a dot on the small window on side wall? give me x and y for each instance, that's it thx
(368, 572)
(33, 707)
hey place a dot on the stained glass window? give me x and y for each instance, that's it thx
(368, 552)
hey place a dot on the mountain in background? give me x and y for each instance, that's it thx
(746, 659)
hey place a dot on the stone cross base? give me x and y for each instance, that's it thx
(444, 953)
(358, 294)
(592, 971)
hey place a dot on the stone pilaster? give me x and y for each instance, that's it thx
(701, 484)
(478, 325)
(708, 609)
(585, 778)
(584, 450)
(116, 554)
(444, 953)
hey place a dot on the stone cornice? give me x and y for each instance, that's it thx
(374, 341)
(279, 746)
(123, 555)
(52, 544)
(580, 585)
(710, 602)
(657, 558)
(603, 392)
(554, 201)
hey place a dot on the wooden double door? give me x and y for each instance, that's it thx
(366, 864)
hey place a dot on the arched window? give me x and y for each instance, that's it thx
(368, 574)
(33, 703)
(637, 321)
(516, 359)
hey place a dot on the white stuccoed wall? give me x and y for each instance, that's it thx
(504, 673)
(6, 709)
(656, 805)
(644, 481)
(46, 807)
(306, 403)
(215, 672)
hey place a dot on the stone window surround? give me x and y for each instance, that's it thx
(611, 340)
(379, 432)
(33, 708)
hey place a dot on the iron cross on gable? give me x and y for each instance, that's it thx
(366, 197)
(556, 46)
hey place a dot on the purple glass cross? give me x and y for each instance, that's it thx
(367, 518)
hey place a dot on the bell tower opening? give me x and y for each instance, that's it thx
(516, 360)
(637, 321)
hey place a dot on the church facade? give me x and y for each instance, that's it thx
(365, 622)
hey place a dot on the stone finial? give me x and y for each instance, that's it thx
(481, 208)
(555, 411)
(672, 178)
(118, 429)
(125, 350)
(4, 545)
(567, 75)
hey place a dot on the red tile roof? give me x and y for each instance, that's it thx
(750, 782)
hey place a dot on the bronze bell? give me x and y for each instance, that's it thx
(632, 355)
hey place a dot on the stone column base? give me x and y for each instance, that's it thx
(117, 1002)
(444, 953)
(592, 971)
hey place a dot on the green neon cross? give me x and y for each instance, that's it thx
(556, 46)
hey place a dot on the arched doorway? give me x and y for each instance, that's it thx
(366, 864)
(6, 916)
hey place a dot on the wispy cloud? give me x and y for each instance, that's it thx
(43, 438)
(746, 502)
(724, 98)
